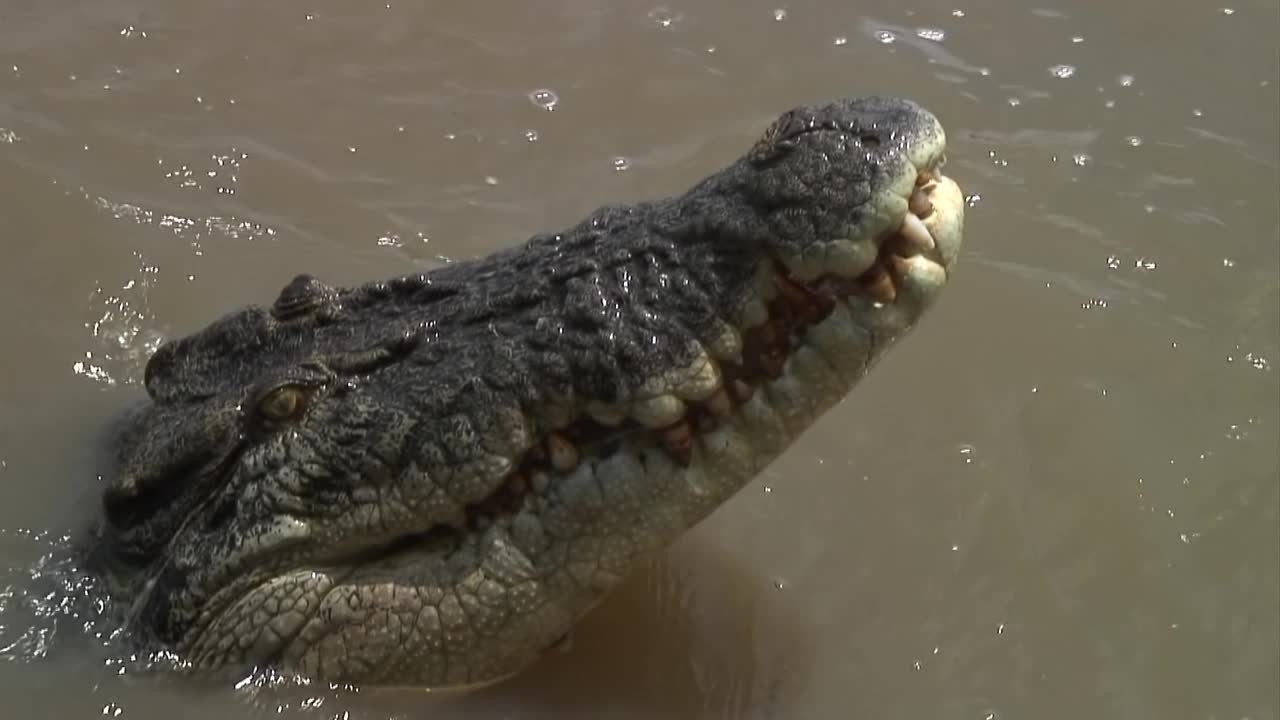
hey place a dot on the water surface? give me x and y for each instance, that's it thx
(1059, 498)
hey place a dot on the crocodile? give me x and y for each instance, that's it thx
(428, 480)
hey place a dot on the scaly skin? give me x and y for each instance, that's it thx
(428, 480)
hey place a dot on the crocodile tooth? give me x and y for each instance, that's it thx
(878, 286)
(919, 203)
(702, 380)
(753, 313)
(658, 411)
(815, 262)
(677, 440)
(850, 259)
(563, 453)
(607, 415)
(913, 237)
(724, 342)
(719, 404)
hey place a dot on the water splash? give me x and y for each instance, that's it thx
(47, 597)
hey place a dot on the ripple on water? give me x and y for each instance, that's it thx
(545, 98)
(665, 17)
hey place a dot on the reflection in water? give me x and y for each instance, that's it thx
(692, 630)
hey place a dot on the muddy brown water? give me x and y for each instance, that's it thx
(1058, 498)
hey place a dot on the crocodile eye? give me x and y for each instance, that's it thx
(283, 403)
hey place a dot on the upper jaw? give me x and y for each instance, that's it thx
(914, 222)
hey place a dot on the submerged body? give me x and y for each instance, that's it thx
(428, 480)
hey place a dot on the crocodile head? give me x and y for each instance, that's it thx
(428, 480)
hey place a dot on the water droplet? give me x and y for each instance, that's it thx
(779, 584)
(972, 200)
(1014, 102)
(1081, 159)
(957, 13)
(490, 180)
(1228, 263)
(1197, 112)
(842, 40)
(886, 37)
(1125, 80)
(620, 163)
(531, 135)
(933, 34)
(1144, 264)
(1133, 140)
(1113, 262)
(779, 15)
(1062, 71)
(1227, 11)
(544, 98)
(664, 17)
